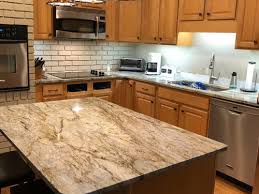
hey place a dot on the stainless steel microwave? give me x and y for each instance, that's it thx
(79, 23)
(132, 64)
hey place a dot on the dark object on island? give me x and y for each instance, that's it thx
(13, 170)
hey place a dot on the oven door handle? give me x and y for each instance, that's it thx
(2, 80)
(97, 26)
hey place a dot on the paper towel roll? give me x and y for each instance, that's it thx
(250, 75)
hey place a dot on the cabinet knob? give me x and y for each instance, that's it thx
(107, 36)
(49, 34)
(200, 14)
(175, 109)
(138, 38)
(208, 14)
(255, 42)
(182, 110)
(152, 102)
(161, 38)
(154, 38)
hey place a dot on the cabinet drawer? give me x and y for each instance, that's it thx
(146, 88)
(53, 90)
(184, 98)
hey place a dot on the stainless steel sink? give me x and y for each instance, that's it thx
(199, 85)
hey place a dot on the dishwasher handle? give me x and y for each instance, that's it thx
(235, 112)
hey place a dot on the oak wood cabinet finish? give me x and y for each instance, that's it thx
(150, 21)
(129, 22)
(145, 104)
(53, 92)
(183, 109)
(168, 21)
(191, 10)
(43, 26)
(111, 8)
(167, 111)
(221, 9)
(194, 120)
(248, 24)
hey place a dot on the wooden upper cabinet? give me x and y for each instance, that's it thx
(43, 25)
(191, 10)
(194, 120)
(129, 20)
(111, 8)
(168, 21)
(221, 9)
(150, 21)
(248, 24)
(167, 111)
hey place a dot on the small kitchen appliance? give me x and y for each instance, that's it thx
(14, 65)
(132, 64)
(153, 66)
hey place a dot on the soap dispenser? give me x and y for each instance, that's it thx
(233, 82)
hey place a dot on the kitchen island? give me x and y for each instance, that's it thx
(92, 146)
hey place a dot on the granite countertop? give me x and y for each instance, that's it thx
(86, 145)
(233, 95)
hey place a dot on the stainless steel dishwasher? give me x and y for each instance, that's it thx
(237, 126)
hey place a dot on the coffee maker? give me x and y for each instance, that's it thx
(153, 66)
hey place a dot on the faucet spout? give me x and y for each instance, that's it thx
(213, 78)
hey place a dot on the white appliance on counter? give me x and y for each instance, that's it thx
(153, 66)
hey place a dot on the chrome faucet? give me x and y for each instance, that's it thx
(213, 78)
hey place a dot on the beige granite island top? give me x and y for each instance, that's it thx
(101, 144)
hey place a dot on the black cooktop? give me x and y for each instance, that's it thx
(74, 75)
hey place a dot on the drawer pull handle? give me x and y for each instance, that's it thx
(2, 80)
(53, 90)
(229, 166)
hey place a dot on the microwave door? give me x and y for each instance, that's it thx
(79, 23)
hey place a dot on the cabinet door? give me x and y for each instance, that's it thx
(221, 9)
(145, 104)
(248, 24)
(119, 93)
(129, 20)
(168, 21)
(150, 20)
(194, 120)
(129, 94)
(191, 10)
(111, 19)
(43, 29)
(167, 111)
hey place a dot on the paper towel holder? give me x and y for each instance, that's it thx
(253, 89)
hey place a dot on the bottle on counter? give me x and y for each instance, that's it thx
(233, 82)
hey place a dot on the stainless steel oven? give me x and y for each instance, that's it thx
(79, 23)
(14, 67)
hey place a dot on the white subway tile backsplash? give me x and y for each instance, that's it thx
(73, 55)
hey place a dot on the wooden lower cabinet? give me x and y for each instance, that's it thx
(145, 104)
(193, 119)
(167, 111)
(124, 93)
(104, 96)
